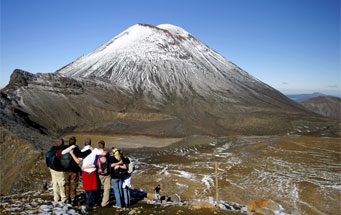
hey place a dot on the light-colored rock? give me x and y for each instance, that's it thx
(262, 203)
(201, 205)
(264, 211)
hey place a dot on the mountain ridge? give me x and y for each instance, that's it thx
(302, 97)
(328, 106)
(190, 66)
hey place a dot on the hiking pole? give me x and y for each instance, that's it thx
(216, 184)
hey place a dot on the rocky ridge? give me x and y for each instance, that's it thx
(328, 106)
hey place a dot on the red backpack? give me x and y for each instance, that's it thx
(102, 164)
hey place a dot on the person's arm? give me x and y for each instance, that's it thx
(91, 165)
(76, 159)
(68, 149)
(88, 166)
(81, 154)
(123, 166)
(115, 164)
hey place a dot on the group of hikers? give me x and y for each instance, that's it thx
(96, 166)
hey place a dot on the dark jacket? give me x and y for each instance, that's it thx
(74, 167)
(58, 147)
(57, 161)
(116, 173)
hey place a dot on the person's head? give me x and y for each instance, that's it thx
(60, 142)
(101, 144)
(87, 142)
(114, 150)
(116, 153)
(72, 141)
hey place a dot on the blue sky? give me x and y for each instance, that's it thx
(291, 45)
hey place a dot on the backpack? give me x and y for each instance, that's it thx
(103, 165)
(65, 161)
(52, 159)
(129, 163)
(131, 166)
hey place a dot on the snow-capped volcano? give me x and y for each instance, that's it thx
(160, 60)
(149, 80)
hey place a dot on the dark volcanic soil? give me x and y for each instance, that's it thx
(143, 208)
(303, 174)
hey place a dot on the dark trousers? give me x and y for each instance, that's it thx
(92, 197)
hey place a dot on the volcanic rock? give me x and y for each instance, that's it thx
(262, 203)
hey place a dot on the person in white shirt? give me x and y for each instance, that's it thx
(91, 183)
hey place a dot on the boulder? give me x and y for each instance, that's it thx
(264, 211)
(200, 205)
(262, 203)
(175, 198)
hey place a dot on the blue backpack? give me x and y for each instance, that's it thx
(51, 160)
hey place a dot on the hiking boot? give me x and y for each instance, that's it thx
(106, 205)
(74, 202)
(67, 201)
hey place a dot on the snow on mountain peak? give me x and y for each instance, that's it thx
(174, 29)
(159, 60)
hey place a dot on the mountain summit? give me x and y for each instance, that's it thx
(161, 60)
(149, 80)
(167, 60)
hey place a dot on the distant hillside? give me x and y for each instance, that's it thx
(303, 97)
(328, 106)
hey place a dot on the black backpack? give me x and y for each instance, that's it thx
(65, 161)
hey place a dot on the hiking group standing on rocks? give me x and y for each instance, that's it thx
(96, 166)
